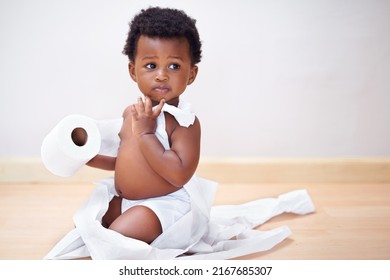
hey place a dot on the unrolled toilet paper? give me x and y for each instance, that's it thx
(61, 154)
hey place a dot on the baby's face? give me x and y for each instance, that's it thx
(162, 68)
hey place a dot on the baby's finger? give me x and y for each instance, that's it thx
(140, 105)
(158, 108)
(148, 105)
(134, 113)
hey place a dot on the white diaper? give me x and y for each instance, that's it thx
(168, 208)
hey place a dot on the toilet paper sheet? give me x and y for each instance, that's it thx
(227, 232)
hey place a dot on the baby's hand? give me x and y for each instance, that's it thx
(144, 117)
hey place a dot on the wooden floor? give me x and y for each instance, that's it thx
(352, 221)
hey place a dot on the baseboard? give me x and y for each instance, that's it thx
(226, 170)
(298, 170)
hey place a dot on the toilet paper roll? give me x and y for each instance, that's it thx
(71, 144)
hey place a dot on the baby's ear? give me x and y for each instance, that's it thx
(131, 67)
(193, 73)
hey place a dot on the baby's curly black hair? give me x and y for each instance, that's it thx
(163, 23)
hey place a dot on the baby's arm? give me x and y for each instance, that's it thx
(176, 165)
(103, 162)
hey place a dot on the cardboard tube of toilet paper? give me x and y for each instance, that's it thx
(70, 144)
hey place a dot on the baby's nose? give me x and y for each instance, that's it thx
(161, 75)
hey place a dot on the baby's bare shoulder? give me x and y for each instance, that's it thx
(172, 125)
(127, 111)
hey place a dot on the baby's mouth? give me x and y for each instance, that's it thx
(161, 89)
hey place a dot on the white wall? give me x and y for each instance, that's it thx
(280, 78)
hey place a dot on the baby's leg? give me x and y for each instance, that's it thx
(113, 212)
(138, 222)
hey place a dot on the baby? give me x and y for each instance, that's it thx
(163, 48)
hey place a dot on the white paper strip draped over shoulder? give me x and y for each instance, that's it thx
(205, 232)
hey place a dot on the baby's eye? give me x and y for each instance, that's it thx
(150, 66)
(174, 66)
